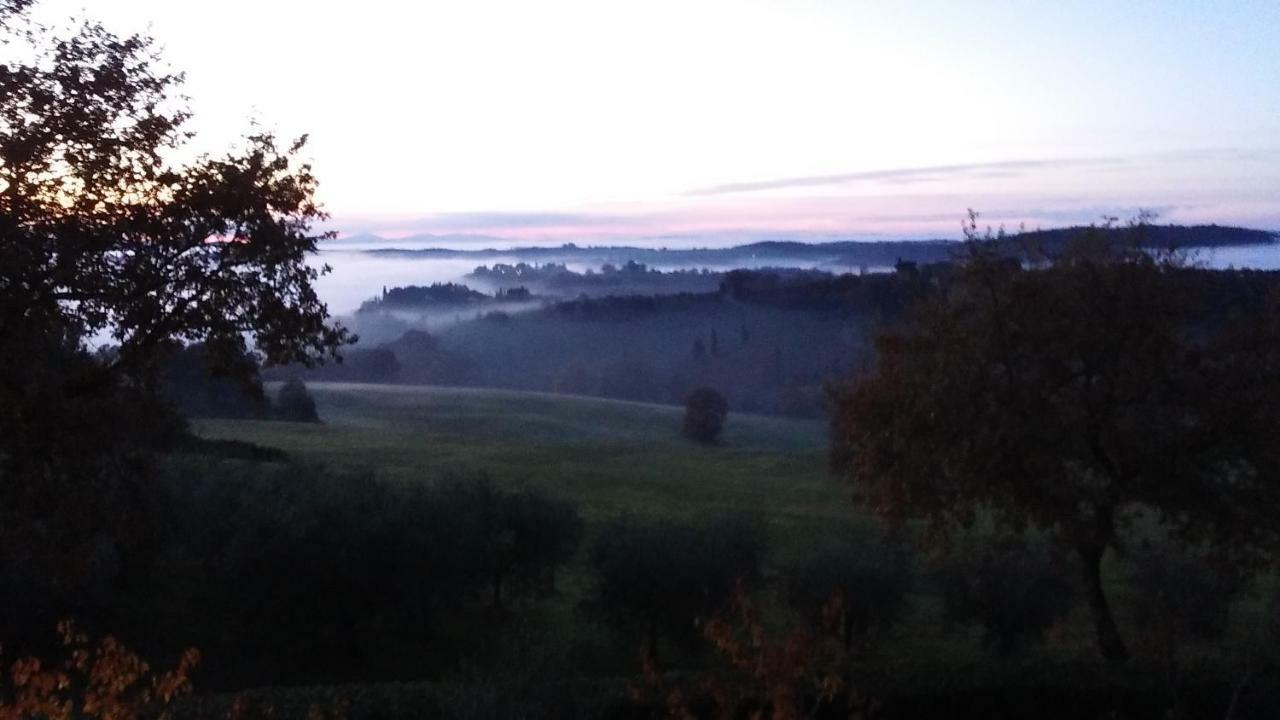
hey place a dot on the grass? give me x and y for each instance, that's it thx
(609, 456)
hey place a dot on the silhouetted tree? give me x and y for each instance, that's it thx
(705, 411)
(106, 231)
(188, 382)
(294, 403)
(1070, 397)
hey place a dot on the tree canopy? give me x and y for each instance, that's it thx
(1075, 395)
(705, 411)
(112, 233)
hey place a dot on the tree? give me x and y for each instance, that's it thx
(294, 403)
(705, 411)
(187, 382)
(1072, 394)
(662, 577)
(511, 541)
(105, 233)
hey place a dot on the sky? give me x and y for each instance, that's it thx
(701, 121)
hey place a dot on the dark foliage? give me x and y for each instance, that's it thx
(1162, 237)
(1072, 397)
(864, 580)
(228, 449)
(412, 296)
(198, 388)
(298, 574)
(661, 578)
(705, 411)
(1182, 596)
(102, 233)
(628, 278)
(515, 541)
(359, 364)
(422, 359)
(1014, 590)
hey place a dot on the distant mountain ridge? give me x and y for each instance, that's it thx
(1163, 236)
(847, 254)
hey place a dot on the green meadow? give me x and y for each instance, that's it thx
(609, 456)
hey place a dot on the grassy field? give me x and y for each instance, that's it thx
(611, 457)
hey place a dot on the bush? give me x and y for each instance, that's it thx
(1015, 590)
(510, 540)
(868, 579)
(307, 575)
(661, 577)
(294, 403)
(705, 411)
(1181, 596)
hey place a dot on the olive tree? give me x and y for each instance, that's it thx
(1072, 394)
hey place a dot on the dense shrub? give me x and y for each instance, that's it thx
(1181, 596)
(1015, 590)
(294, 403)
(661, 577)
(705, 411)
(302, 575)
(511, 541)
(864, 579)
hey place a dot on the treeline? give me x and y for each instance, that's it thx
(769, 341)
(630, 277)
(1147, 235)
(196, 384)
(417, 295)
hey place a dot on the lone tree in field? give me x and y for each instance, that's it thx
(105, 233)
(1072, 396)
(705, 411)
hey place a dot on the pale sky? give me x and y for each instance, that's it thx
(584, 120)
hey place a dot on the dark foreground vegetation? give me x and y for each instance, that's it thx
(1063, 459)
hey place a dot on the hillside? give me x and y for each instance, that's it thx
(612, 456)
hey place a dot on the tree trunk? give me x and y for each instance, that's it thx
(1110, 644)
